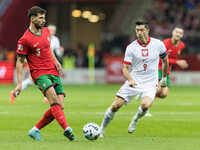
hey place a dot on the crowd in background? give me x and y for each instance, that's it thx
(183, 13)
(72, 58)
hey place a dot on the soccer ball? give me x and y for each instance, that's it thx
(91, 131)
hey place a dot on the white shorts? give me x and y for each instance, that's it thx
(128, 93)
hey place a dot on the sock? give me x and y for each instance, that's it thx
(59, 115)
(109, 115)
(26, 83)
(139, 114)
(46, 119)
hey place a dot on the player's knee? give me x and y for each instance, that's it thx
(115, 107)
(145, 107)
(53, 99)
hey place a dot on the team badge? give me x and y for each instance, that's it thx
(20, 47)
(44, 85)
(145, 52)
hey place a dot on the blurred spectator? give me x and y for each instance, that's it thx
(173, 13)
(69, 60)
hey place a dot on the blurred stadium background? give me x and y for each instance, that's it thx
(106, 26)
(109, 25)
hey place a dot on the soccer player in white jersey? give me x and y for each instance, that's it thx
(143, 55)
(55, 43)
(55, 46)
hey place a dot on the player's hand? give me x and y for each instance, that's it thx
(59, 67)
(182, 63)
(17, 90)
(163, 82)
(132, 83)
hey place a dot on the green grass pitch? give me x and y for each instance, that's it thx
(175, 124)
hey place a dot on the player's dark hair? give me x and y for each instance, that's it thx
(35, 10)
(142, 22)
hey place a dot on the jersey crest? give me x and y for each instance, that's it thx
(145, 52)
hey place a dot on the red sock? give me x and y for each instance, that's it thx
(59, 116)
(47, 118)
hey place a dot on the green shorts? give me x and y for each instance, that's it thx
(160, 77)
(44, 82)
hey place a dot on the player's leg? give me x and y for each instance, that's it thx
(25, 83)
(162, 92)
(42, 83)
(148, 96)
(109, 115)
(68, 132)
(47, 87)
(142, 110)
(57, 111)
(48, 116)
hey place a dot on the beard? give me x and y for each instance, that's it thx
(38, 26)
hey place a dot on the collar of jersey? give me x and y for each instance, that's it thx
(34, 33)
(146, 44)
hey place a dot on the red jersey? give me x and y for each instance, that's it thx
(172, 53)
(37, 50)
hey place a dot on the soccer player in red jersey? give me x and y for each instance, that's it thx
(174, 46)
(34, 45)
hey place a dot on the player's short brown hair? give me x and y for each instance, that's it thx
(142, 22)
(35, 10)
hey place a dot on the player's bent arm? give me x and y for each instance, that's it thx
(127, 75)
(19, 71)
(19, 68)
(165, 66)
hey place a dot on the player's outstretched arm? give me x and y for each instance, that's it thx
(128, 76)
(165, 66)
(19, 71)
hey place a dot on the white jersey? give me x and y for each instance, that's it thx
(55, 45)
(144, 61)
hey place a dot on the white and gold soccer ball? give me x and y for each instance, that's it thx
(91, 131)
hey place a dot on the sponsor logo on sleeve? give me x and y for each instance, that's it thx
(20, 47)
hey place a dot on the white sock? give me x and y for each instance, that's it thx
(26, 83)
(109, 115)
(139, 114)
(34, 128)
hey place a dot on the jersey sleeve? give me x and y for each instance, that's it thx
(128, 56)
(22, 46)
(162, 50)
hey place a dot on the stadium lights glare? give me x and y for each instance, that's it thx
(93, 18)
(86, 14)
(76, 13)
